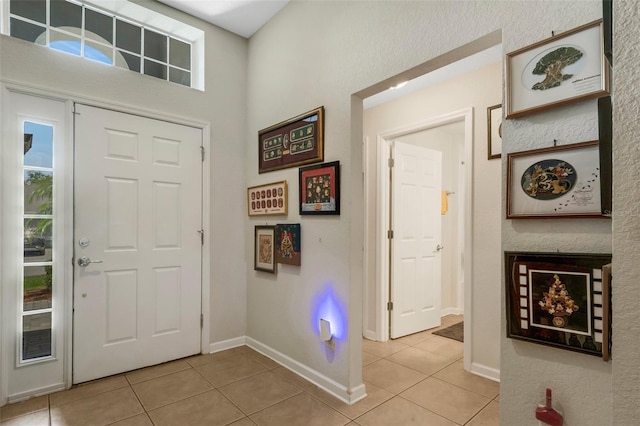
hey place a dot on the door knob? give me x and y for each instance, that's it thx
(439, 247)
(84, 261)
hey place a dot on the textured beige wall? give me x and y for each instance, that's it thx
(319, 53)
(626, 214)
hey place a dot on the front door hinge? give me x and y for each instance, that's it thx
(201, 320)
(391, 162)
(389, 306)
(390, 234)
(202, 152)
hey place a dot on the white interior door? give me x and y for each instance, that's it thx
(138, 210)
(416, 223)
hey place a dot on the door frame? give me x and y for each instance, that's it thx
(382, 216)
(70, 99)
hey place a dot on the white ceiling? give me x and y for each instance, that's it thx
(242, 17)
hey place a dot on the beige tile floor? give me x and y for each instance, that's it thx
(416, 380)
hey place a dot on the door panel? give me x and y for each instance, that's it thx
(416, 223)
(138, 207)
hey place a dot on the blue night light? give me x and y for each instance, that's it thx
(327, 306)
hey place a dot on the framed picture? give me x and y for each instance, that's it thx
(268, 199)
(288, 244)
(607, 22)
(494, 131)
(292, 143)
(264, 250)
(560, 300)
(560, 70)
(320, 189)
(559, 182)
(605, 136)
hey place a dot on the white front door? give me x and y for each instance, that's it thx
(416, 245)
(138, 213)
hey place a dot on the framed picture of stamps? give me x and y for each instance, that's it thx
(268, 199)
(292, 143)
(560, 299)
(320, 189)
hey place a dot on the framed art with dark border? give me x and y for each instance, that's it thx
(267, 199)
(264, 249)
(566, 68)
(292, 143)
(494, 132)
(555, 182)
(288, 244)
(320, 189)
(559, 299)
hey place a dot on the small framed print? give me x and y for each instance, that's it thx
(288, 244)
(264, 250)
(559, 182)
(560, 299)
(566, 68)
(268, 199)
(494, 131)
(320, 189)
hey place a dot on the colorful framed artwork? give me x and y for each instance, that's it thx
(268, 199)
(556, 182)
(264, 250)
(292, 143)
(561, 300)
(288, 244)
(494, 132)
(563, 69)
(320, 189)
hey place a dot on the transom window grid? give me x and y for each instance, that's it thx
(88, 32)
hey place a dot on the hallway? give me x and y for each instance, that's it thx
(415, 380)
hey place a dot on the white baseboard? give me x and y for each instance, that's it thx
(451, 311)
(227, 344)
(486, 372)
(348, 396)
(371, 335)
(35, 392)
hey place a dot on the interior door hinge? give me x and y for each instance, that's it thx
(389, 306)
(201, 231)
(391, 162)
(201, 320)
(202, 152)
(390, 234)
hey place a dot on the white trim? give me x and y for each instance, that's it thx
(226, 344)
(486, 372)
(348, 396)
(206, 247)
(451, 311)
(4, 372)
(465, 215)
(36, 392)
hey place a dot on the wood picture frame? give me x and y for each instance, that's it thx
(605, 136)
(559, 299)
(319, 190)
(292, 143)
(288, 249)
(494, 132)
(264, 249)
(268, 199)
(560, 70)
(556, 182)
